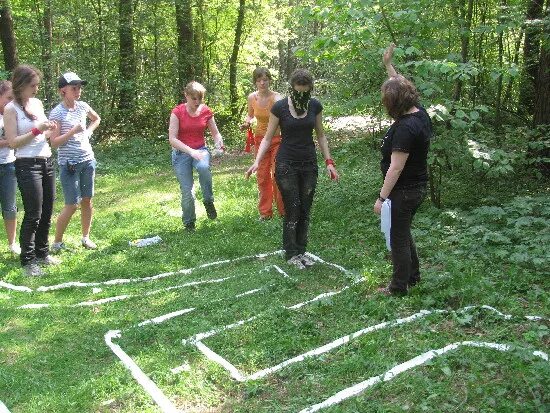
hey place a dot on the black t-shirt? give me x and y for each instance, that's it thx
(296, 134)
(411, 134)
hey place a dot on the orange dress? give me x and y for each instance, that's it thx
(267, 186)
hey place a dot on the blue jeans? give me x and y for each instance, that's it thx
(183, 167)
(36, 181)
(77, 181)
(8, 185)
(406, 267)
(297, 182)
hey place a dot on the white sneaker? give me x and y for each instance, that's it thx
(308, 262)
(88, 243)
(15, 249)
(297, 262)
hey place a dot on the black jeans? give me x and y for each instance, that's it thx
(406, 270)
(297, 182)
(36, 181)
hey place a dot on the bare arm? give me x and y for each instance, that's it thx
(216, 135)
(397, 163)
(249, 113)
(266, 143)
(387, 60)
(175, 143)
(95, 121)
(56, 139)
(323, 145)
(10, 128)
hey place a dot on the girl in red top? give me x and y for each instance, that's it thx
(188, 123)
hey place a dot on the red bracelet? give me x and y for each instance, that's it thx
(329, 162)
(36, 131)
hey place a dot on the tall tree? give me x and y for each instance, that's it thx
(531, 47)
(47, 53)
(7, 36)
(127, 60)
(186, 49)
(466, 12)
(541, 113)
(233, 59)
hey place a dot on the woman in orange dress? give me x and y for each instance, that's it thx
(259, 107)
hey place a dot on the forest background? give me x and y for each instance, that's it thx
(482, 65)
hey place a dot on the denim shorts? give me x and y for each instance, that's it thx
(77, 181)
(8, 185)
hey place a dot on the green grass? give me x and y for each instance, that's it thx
(55, 359)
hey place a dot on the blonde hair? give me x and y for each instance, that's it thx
(195, 89)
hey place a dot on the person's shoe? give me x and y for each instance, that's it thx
(57, 247)
(210, 210)
(389, 293)
(88, 243)
(297, 262)
(32, 269)
(15, 249)
(48, 260)
(265, 217)
(190, 227)
(308, 262)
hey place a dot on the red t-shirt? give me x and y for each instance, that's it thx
(191, 128)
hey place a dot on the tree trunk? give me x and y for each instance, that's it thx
(465, 26)
(498, 105)
(541, 113)
(127, 62)
(531, 47)
(233, 60)
(7, 36)
(186, 49)
(47, 56)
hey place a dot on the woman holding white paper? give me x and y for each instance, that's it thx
(404, 167)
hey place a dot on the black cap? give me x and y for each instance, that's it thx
(70, 78)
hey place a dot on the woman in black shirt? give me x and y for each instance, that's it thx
(296, 161)
(404, 167)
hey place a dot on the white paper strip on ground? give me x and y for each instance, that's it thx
(148, 385)
(401, 368)
(21, 288)
(220, 360)
(3, 408)
(163, 318)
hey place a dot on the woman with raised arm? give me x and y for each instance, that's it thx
(188, 123)
(296, 161)
(260, 103)
(404, 168)
(75, 157)
(27, 130)
(8, 182)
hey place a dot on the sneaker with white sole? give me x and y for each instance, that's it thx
(48, 260)
(88, 243)
(32, 269)
(308, 262)
(57, 247)
(297, 262)
(15, 249)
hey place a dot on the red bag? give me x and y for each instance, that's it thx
(249, 140)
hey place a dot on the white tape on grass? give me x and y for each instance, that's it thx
(148, 385)
(403, 367)
(21, 288)
(3, 408)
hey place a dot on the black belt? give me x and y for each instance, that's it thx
(38, 159)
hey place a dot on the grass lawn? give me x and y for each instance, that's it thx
(56, 359)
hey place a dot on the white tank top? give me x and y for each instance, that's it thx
(6, 153)
(38, 146)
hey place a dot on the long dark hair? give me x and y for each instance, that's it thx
(22, 76)
(5, 85)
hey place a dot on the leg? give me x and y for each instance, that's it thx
(29, 180)
(287, 180)
(403, 207)
(205, 176)
(42, 246)
(87, 178)
(265, 182)
(183, 167)
(70, 183)
(275, 143)
(8, 186)
(308, 183)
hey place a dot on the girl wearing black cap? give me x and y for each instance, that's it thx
(27, 129)
(75, 157)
